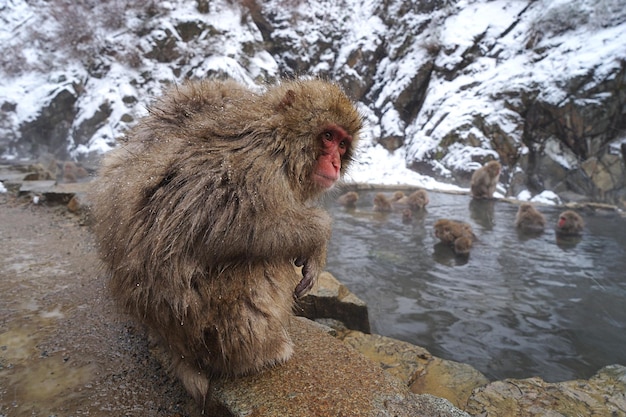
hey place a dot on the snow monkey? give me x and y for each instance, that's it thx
(485, 179)
(417, 200)
(458, 235)
(529, 219)
(348, 199)
(204, 213)
(569, 224)
(382, 203)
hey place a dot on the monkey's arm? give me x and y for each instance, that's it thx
(288, 234)
(296, 234)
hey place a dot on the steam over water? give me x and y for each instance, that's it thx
(517, 307)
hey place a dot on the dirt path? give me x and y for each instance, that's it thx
(63, 348)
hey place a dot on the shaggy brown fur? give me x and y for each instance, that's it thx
(485, 179)
(348, 199)
(417, 200)
(458, 235)
(203, 214)
(529, 219)
(381, 203)
(569, 223)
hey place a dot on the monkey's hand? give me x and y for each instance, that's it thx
(310, 271)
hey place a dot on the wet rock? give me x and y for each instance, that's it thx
(36, 187)
(325, 377)
(602, 395)
(52, 192)
(49, 131)
(14, 175)
(451, 380)
(191, 29)
(89, 125)
(330, 299)
(163, 46)
(418, 369)
(607, 173)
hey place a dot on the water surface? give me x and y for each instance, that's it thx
(517, 307)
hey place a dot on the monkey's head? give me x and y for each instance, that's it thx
(493, 167)
(351, 197)
(319, 127)
(442, 228)
(570, 219)
(397, 195)
(525, 207)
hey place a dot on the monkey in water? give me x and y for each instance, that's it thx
(529, 219)
(417, 200)
(382, 203)
(204, 213)
(458, 235)
(407, 216)
(463, 244)
(569, 224)
(349, 199)
(397, 196)
(485, 179)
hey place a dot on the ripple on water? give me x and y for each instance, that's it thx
(518, 306)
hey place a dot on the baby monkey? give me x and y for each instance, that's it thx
(458, 235)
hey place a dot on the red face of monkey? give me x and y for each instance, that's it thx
(334, 142)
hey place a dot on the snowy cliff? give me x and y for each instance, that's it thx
(445, 85)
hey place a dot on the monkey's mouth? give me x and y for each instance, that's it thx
(324, 180)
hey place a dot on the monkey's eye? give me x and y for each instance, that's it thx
(343, 144)
(328, 136)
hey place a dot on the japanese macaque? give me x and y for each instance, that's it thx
(417, 200)
(462, 245)
(72, 172)
(458, 235)
(407, 215)
(569, 224)
(348, 199)
(382, 203)
(529, 219)
(203, 216)
(485, 180)
(397, 196)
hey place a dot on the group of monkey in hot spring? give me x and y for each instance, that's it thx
(459, 235)
(206, 222)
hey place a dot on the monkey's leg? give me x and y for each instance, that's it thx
(244, 322)
(194, 380)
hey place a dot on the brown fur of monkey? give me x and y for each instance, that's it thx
(529, 219)
(458, 235)
(407, 216)
(203, 213)
(382, 203)
(417, 200)
(462, 245)
(348, 199)
(448, 230)
(485, 179)
(570, 223)
(397, 196)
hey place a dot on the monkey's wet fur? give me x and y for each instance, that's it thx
(205, 211)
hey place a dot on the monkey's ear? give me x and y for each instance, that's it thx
(287, 101)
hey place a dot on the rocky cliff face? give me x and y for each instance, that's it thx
(538, 85)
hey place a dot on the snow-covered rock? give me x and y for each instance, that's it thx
(445, 86)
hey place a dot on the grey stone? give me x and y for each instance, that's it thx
(330, 299)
